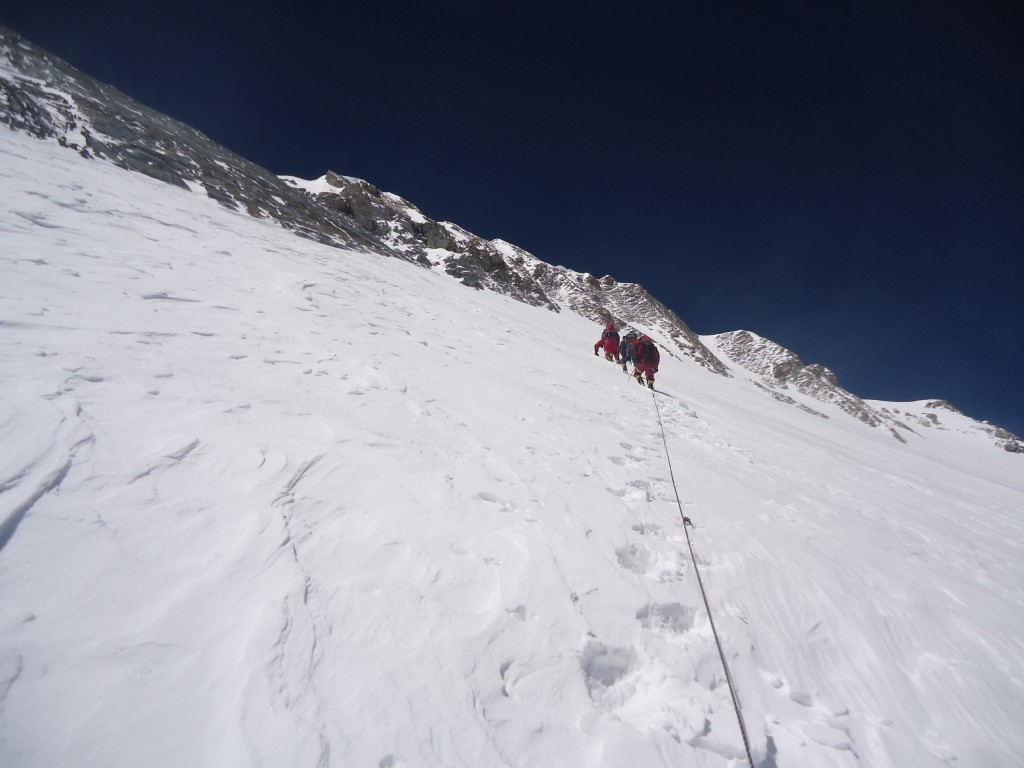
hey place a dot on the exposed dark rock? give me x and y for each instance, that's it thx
(50, 99)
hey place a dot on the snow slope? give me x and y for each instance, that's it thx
(265, 502)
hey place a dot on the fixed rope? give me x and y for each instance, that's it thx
(686, 529)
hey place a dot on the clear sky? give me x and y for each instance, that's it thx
(846, 179)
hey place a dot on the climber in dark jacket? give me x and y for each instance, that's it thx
(626, 350)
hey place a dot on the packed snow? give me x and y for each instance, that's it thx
(268, 503)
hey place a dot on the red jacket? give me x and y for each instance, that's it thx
(647, 354)
(609, 340)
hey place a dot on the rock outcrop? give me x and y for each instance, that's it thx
(779, 372)
(48, 98)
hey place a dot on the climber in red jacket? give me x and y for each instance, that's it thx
(610, 341)
(647, 360)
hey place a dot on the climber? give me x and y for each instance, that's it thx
(610, 341)
(647, 358)
(626, 350)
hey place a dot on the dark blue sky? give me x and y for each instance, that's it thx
(846, 179)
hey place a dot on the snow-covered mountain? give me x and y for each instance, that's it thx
(500, 266)
(270, 500)
(777, 370)
(45, 97)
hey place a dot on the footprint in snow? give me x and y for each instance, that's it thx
(644, 561)
(635, 558)
(650, 529)
(503, 504)
(666, 618)
(604, 666)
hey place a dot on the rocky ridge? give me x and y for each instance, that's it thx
(499, 266)
(778, 371)
(47, 98)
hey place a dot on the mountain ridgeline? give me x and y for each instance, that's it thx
(49, 99)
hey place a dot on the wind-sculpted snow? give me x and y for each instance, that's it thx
(266, 502)
(49, 434)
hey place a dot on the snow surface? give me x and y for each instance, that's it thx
(265, 502)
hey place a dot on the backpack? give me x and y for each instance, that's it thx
(646, 352)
